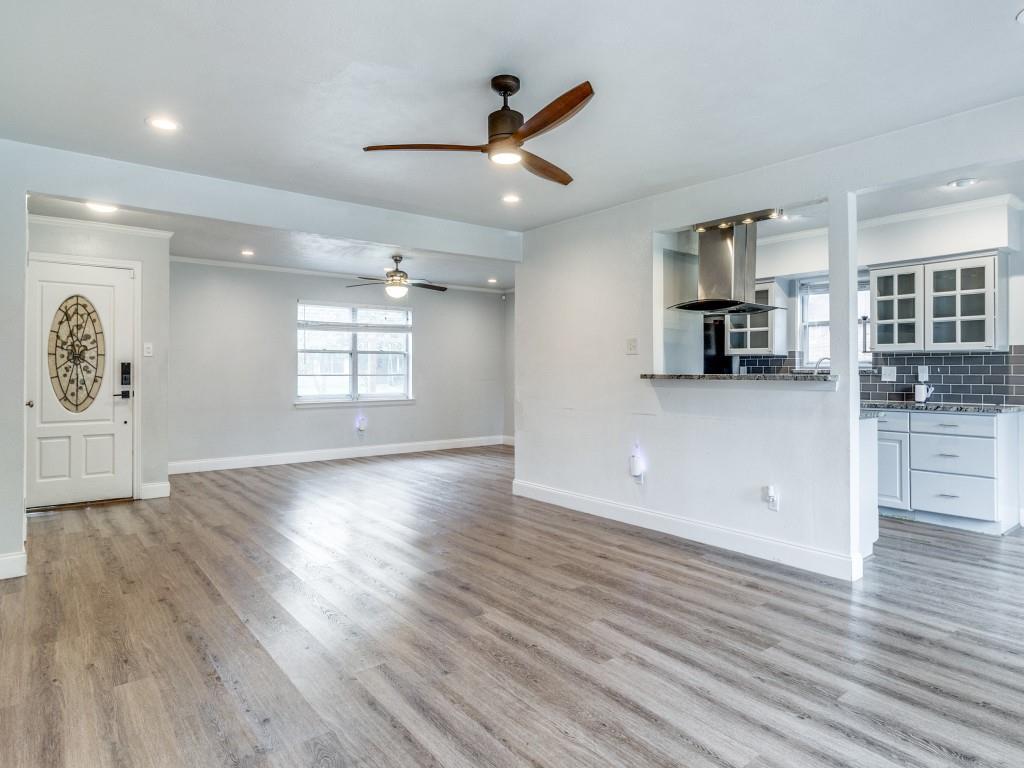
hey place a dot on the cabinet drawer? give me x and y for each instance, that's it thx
(953, 424)
(893, 421)
(953, 454)
(953, 495)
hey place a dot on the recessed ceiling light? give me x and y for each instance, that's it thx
(511, 198)
(248, 252)
(492, 279)
(961, 183)
(162, 123)
(791, 217)
(101, 207)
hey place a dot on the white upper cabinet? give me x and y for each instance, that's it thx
(763, 333)
(897, 309)
(961, 310)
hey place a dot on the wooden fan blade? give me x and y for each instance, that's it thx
(556, 113)
(429, 147)
(360, 285)
(429, 286)
(538, 166)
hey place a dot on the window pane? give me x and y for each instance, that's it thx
(383, 342)
(738, 339)
(759, 339)
(972, 304)
(760, 295)
(944, 306)
(382, 365)
(760, 320)
(944, 333)
(972, 330)
(381, 385)
(738, 321)
(885, 334)
(883, 285)
(944, 280)
(325, 386)
(320, 363)
(325, 314)
(905, 283)
(884, 309)
(816, 307)
(906, 309)
(817, 343)
(319, 339)
(906, 333)
(374, 316)
(972, 278)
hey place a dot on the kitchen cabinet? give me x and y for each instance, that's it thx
(949, 305)
(763, 333)
(954, 469)
(897, 308)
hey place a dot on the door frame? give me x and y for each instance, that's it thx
(98, 261)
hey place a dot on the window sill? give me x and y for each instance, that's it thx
(351, 403)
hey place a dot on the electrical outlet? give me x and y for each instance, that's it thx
(632, 346)
(771, 495)
(922, 373)
(147, 349)
(888, 373)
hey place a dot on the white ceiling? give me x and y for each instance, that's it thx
(196, 237)
(285, 95)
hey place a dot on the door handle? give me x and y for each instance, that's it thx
(125, 394)
(31, 404)
(948, 496)
(949, 455)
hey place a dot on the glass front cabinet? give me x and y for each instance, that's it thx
(763, 333)
(943, 305)
(897, 308)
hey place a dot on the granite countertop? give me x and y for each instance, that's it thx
(886, 405)
(811, 377)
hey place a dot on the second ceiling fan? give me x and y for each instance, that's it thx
(507, 130)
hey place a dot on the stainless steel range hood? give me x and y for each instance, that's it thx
(726, 260)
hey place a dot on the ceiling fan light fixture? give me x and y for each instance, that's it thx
(505, 156)
(396, 290)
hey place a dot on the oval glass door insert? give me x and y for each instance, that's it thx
(76, 352)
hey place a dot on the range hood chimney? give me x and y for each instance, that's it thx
(726, 260)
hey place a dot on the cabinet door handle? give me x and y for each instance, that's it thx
(949, 455)
(948, 496)
(953, 426)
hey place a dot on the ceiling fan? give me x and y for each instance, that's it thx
(396, 282)
(506, 130)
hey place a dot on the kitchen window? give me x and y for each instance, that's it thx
(349, 353)
(815, 338)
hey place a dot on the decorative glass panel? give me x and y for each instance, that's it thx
(972, 278)
(944, 281)
(906, 308)
(885, 334)
(972, 304)
(944, 333)
(883, 285)
(738, 339)
(760, 320)
(761, 296)
(944, 306)
(759, 339)
(738, 321)
(905, 284)
(76, 352)
(906, 333)
(884, 309)
(972, 331)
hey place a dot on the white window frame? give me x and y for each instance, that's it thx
(818, 285)
(355, 328)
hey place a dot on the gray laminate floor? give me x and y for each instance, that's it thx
(409, 611)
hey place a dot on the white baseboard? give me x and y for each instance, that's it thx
(835, 564)
(13, 565)
(155, 490)
(508, 440)
(328, 454)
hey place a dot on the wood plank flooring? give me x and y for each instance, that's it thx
(409, 611)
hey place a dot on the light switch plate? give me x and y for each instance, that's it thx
(632, 346)
(147, 349)
(888, 373)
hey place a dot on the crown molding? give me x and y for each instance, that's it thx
(102, 226)
(312, 272)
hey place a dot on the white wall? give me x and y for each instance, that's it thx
(76, 238)
(584, 287)
(29, 168)
(509, 420)
(232, 369)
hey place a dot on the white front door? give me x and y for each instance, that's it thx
(80, 328)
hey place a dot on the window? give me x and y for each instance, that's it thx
(353, 353)
(814, 325)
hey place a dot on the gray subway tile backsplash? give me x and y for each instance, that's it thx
(995, 378)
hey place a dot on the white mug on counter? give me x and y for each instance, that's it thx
(922, 392)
